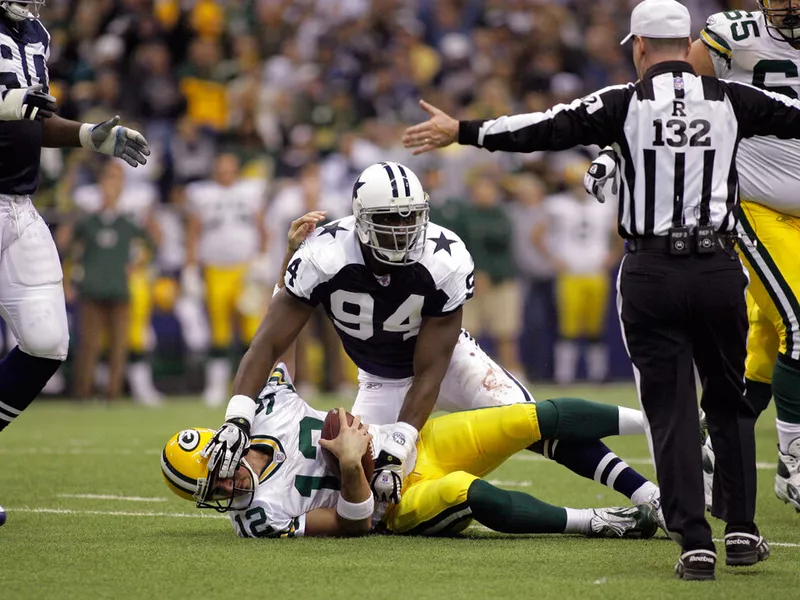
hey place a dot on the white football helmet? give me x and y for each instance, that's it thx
(391, 211)
(22, 9)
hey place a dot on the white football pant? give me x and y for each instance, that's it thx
(31, 289)
(473, 380)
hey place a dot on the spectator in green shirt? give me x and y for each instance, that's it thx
(486, 229)
(105, 245)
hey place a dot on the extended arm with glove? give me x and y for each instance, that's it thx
(111, 138)
(601, 180)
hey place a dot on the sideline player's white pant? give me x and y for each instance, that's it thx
(473, 380)
(31, 289)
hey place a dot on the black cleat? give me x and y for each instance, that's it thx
(696, 565)
(745, 549)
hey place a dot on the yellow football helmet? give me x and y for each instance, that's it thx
(186, 473)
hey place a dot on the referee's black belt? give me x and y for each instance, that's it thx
(662, 244)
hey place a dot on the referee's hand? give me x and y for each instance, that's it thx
(437, 132)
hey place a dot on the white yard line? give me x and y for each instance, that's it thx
(503, 482)
(112, 497)
(200, 515)
(113, 513)
(533, 457)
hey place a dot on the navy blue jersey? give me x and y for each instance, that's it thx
(24, 50)
(378, 318)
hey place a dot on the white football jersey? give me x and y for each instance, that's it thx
(136, 201)
(378, 317)
(297, 480)
(742, 50)
(229, 220)
(579, 231)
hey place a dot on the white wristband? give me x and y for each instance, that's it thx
(275, 290)
(241, 407)
(85, 136)
(409, 432)
(355, 512)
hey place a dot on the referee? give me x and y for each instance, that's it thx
(681, 286)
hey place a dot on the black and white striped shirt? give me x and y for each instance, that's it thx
(676, 135)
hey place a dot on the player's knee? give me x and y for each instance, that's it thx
(43, 330)
(519, 422)
(454, 487)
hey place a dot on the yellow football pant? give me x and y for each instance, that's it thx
(141, 309)
(452, 452)
(582, 302)
(223, 287)
(770, 249)
(762, 344)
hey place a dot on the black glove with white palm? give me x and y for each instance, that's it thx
(601, 178)
(227, 447)
(111, 138)
(27, 104)
(387, 480)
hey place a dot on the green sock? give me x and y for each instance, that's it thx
(513, 512)
(758, 394)
(576, 420)
(786, 388)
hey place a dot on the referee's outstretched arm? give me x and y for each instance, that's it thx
(600, 118)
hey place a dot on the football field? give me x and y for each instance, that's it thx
(90, 517)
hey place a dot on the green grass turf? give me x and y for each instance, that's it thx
(111, 548)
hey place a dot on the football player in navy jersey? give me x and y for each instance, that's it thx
(393, 284)
(31, 291)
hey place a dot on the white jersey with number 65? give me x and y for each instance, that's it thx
(742, 50)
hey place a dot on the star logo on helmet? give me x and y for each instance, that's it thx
(357, 186)
(332, 229)
(442, 243)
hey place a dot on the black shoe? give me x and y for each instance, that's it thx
(745, 549)
(696, 565)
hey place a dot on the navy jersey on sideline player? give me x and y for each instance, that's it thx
(31, 291)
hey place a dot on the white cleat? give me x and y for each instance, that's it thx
(787, 479)
(654, 500)
(630, 522)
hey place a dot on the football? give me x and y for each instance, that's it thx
(330, 429)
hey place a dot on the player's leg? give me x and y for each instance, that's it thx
(569, 305)
(769, 243)
(90, 329)
(221, 292)
(504, 321)
(595, 309)
(139, 371)
(762, 351)
(379, 400)
(33, 306)
(474, 380)
(118, 330)
(446, 505)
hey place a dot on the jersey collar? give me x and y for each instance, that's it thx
(669, 66)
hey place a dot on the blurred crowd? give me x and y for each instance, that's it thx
(287, 101)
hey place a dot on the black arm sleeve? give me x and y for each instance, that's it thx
(595, 119)
(760, 112)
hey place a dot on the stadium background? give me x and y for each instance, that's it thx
(309, 93)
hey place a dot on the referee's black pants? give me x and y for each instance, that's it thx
(676, 311)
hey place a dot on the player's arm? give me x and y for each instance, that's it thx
(700, 59)
(760, 112)
(353, 513)
(107, 137)
(595, 119)
(435, 342)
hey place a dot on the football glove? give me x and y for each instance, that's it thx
(601, 178)
(31, 104)
(226, 448)
(113, 139)
(387, 479)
